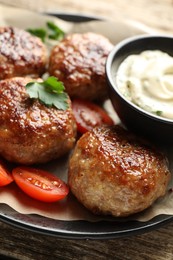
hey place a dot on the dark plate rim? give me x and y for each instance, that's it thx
(82, 229)
(79, 229)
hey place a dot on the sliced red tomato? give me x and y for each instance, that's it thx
(88, 115)
(39, 184)
(5, 176)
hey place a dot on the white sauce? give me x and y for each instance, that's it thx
(147, 81)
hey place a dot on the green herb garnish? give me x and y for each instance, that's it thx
(52, 31)
(158, 113)
(55, 32)
(50, 92)
(39, 32)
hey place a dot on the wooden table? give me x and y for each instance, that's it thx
(21, 244)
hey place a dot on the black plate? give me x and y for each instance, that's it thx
(80, 229)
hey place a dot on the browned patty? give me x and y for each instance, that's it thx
(79, 62)
(30, 132)
(21, 53)
(112, 172)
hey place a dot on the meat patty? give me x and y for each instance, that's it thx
(79, 62)
(30, 132)
(21, 53)
(111, 172)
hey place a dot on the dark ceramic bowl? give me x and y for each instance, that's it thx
(134, 118)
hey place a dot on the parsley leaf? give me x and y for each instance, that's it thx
(55, 32)
(50, 92)
(158, 113)
(52, 31)
(54, 85)
(39, 32)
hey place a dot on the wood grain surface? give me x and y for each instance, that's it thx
(21, 244)
(26, 245)
(154, 13)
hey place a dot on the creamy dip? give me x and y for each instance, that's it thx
(146, 79)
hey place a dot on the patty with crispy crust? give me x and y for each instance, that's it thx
(112, 172)
(79, 62)
(21, 54)
(31, 132)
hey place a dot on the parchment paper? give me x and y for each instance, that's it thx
(70, 208)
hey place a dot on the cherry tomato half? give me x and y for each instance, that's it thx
(88, 115)
(5, 176)
(39, 184)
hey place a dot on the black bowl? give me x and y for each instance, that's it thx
(143, 123)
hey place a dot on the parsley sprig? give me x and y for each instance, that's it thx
(50, 92)
(52, 31)
(55, 32)
(39, 32)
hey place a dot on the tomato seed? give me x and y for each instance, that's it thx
(39, 184)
